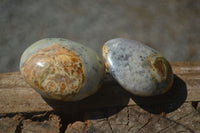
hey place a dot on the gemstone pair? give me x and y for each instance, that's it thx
(65, 70)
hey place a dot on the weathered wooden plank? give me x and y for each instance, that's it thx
(48, 126)
(198, 106)
(186, 67)
(9, 124)
(30, 123)
(115, 119)
(18, 96)
(134, 119)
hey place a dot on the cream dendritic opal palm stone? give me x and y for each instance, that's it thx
(62, 69)
(138, 68)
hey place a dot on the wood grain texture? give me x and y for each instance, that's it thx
(9, 125)
(47, 126)
(132, 119)
(17, 96)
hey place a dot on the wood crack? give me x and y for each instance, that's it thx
(174, 122)
(149, 120)
(19, 126)
(128, 116)
(109, 125)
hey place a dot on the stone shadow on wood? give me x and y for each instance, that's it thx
(167, 102)
(112, 98)
(109, 95)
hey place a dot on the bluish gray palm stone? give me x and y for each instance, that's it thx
(138, 68)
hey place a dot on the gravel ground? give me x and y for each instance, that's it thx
(171, 27)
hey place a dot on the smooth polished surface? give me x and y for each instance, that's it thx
(62, 69)
(138, 68)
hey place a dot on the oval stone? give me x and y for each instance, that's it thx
(62, 69)
(138, 68)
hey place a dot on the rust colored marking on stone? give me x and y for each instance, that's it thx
(55, 71)
(165, 71)
(152, 69)
(160, 70)
(105, 52)
(160, 65)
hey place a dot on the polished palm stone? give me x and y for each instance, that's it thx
(138, 68)
(62, 69)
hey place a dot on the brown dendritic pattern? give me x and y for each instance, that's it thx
(56, 71)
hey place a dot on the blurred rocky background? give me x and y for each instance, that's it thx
(171, 27)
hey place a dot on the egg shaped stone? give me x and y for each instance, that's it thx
(138, 68)
(62, 69)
